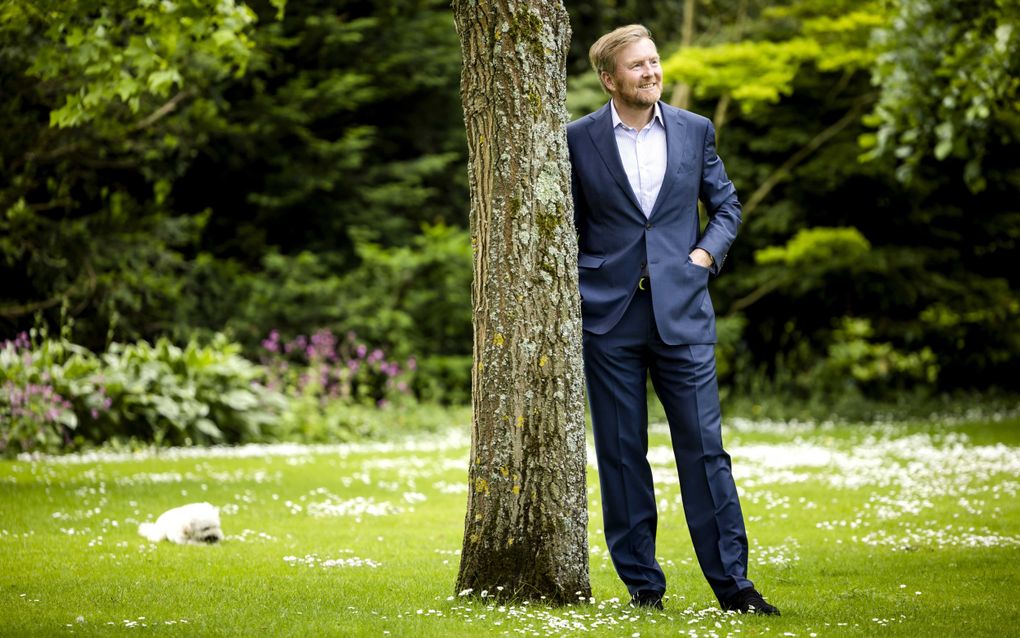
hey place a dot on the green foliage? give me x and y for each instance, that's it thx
(827, 236)
(211, 148)
(415, 297)
(444, 379)
(185, 396)
(750, 72)
(832, 36)
(290, 294)
(95, 144)
(58, 395)
(949, 74)
(38, 391)
(877, 369)
(126, 52)
(584, 95)
(841, 29)
(309, 421)
(183, 169)
(817, 248)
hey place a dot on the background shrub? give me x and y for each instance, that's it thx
(58, 395)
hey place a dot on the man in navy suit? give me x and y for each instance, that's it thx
(639, 168)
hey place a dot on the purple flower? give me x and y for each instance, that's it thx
(362, 350)
(412, 363)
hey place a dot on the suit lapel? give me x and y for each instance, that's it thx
(604, 139)
(676, 138)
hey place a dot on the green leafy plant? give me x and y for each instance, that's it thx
(56, 395)
(878, 369)
(50, 394)
(191, 395)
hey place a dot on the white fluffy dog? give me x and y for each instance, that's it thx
(191, 524)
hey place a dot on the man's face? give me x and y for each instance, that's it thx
(637, 79)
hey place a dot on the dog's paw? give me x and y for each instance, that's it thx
(151, 531)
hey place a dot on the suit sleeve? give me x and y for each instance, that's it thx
(720, 198)
(576, 191)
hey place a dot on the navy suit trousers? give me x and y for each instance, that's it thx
(617, 365)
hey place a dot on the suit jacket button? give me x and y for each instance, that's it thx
(648, 226)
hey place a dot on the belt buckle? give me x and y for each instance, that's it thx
(642, 284)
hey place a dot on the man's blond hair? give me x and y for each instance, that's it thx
(602, 54)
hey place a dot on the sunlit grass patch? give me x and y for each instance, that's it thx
(892, 530)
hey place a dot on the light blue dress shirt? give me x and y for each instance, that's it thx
(643, 154)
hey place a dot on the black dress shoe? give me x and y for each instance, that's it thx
(650, 599)
(749, 601)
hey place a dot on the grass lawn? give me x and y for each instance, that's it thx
(897, 530)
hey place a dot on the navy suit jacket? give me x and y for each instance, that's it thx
(616, 241)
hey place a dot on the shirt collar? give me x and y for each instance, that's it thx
(617, 121)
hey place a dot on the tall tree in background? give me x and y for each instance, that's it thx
(525, 533)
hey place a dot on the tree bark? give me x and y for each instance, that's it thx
(525, 533)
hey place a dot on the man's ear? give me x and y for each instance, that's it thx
(607, 81)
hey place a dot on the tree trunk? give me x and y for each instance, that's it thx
(525, 533)
(682, 91)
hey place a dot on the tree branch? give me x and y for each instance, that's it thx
(786, 167)
(754, 296)
(681, 90)
(164, 110)
(11, 312)
(719, 117)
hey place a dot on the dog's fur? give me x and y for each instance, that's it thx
(192, 524)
